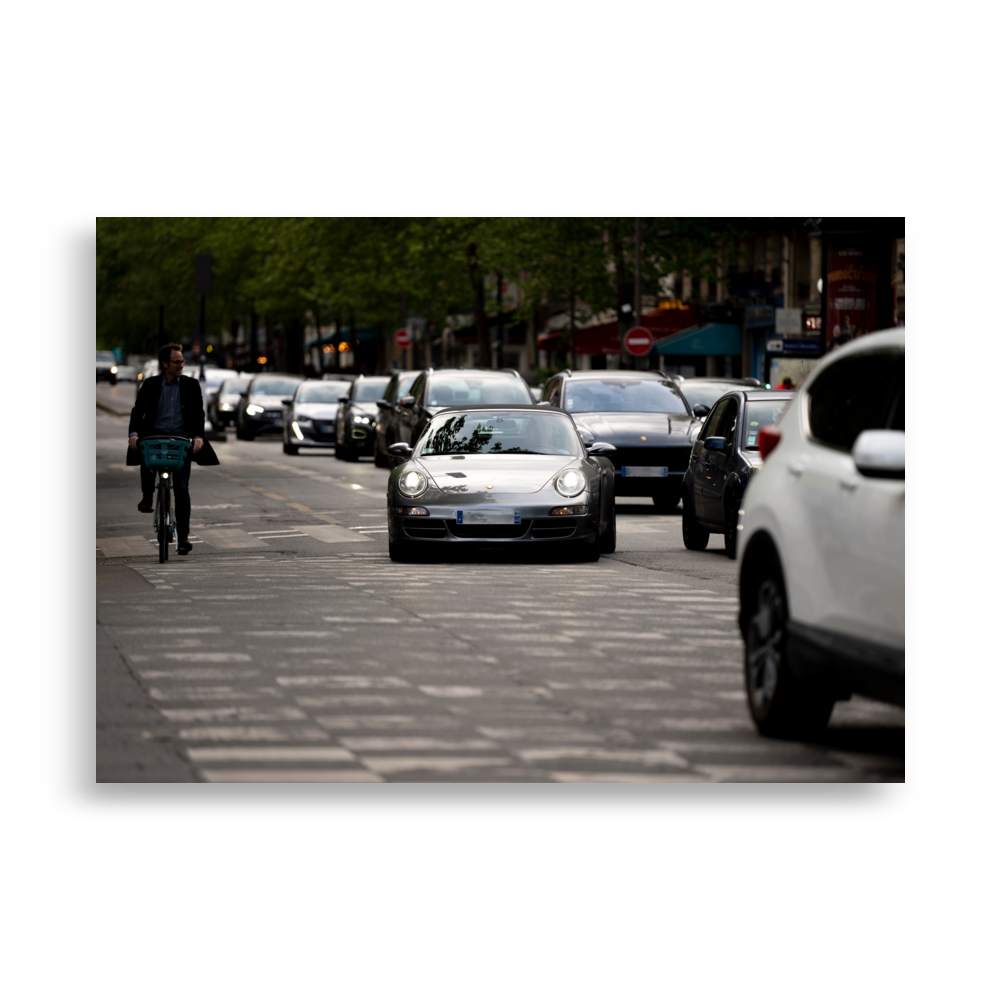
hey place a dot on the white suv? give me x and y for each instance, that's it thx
(820, 543)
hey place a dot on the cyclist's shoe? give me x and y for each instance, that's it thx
(183, 546)
(145, 506)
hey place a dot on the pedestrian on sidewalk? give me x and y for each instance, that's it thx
(170, 403)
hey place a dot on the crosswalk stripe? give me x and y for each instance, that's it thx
(356, 776)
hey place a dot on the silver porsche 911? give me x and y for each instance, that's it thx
(500, 475)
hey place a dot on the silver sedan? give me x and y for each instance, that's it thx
(499, 476)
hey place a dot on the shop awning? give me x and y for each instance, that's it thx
(711, 338)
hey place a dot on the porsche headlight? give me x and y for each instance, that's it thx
(412, 483)
(571, 482)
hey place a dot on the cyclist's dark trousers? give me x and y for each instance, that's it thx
(182, 496)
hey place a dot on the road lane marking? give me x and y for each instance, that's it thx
(617, 777)
(252, 734)
(275, 496)
(335, 681)
(360, 743)
(237, 713)
(270, 755)
(229, 776)
(397, 765)
(300, 506)
(649, 757)
(231, 538)
(332, 532)
(203, 657)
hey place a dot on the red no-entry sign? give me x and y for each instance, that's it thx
(403, 339)
(638, 341)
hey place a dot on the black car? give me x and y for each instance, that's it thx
(355, 430)
(701, 393)
(107, 367)
(222, 405)
(398, 387)
(435, 388)
(643, 415)
(310, 419)
(724, 457)
(261, 408)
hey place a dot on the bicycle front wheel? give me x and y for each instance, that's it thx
(162, 530)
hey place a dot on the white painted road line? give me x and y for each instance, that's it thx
(290, 777)
(270, 755)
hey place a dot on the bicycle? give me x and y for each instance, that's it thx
(164, 455)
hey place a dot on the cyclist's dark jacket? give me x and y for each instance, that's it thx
(192, 410)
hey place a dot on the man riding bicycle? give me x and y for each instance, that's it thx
(170, 403)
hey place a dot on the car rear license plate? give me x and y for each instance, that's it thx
(494, 515)
(630, 471)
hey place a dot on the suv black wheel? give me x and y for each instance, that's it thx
(780, 703)
(666, 499)
(694, 535)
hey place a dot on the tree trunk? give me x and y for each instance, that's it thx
(479, 307)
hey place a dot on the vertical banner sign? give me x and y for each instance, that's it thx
(851, 281)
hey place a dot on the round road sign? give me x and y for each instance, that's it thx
(403, 339)
(638, 341)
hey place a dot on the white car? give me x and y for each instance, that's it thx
(820, 543)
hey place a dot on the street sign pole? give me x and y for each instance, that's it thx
(203, 286)
(637, 309)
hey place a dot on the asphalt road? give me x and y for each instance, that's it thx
(287, 647)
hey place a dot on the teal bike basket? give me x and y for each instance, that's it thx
(164, 453)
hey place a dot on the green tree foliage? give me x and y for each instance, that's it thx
(374, 271)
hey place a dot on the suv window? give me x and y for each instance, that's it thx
(417, 389)
(551, 392)
(852, 396)
(714, 419)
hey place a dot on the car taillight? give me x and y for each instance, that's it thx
(767, 440)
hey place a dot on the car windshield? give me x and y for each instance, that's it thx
(470, 390)
(705, 392)
(323, 392)
(403, 386)
(511, 433)
(370, 389)
(761, 413)
(233, 386)
(275, 386)
(621, 394)
(105, 358)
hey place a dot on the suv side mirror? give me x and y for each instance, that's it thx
(400, 449)
(600, 448)
(715, 443)
(383, 404)
(286, 402)
(699, 410)
(880, 454)
(407, 401)
(343, 399)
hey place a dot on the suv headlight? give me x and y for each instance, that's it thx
(253, 409)
(412, 484)
(571, 482)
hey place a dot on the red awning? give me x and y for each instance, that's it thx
(604, 339)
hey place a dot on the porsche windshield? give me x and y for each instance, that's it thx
(512, 433)
(620, 394)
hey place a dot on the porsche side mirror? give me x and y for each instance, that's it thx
(400, 449)
(600, 448)
(699, 410)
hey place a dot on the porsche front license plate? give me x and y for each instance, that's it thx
(630, 471)
(494, 515)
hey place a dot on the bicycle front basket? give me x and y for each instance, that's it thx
(164, 453)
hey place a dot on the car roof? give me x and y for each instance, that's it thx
(501, 408)
(755, 394)
(508, 372)
(612, 373)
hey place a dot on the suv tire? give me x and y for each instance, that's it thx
(780, 703)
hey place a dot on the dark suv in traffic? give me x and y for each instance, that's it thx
(435, 388)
